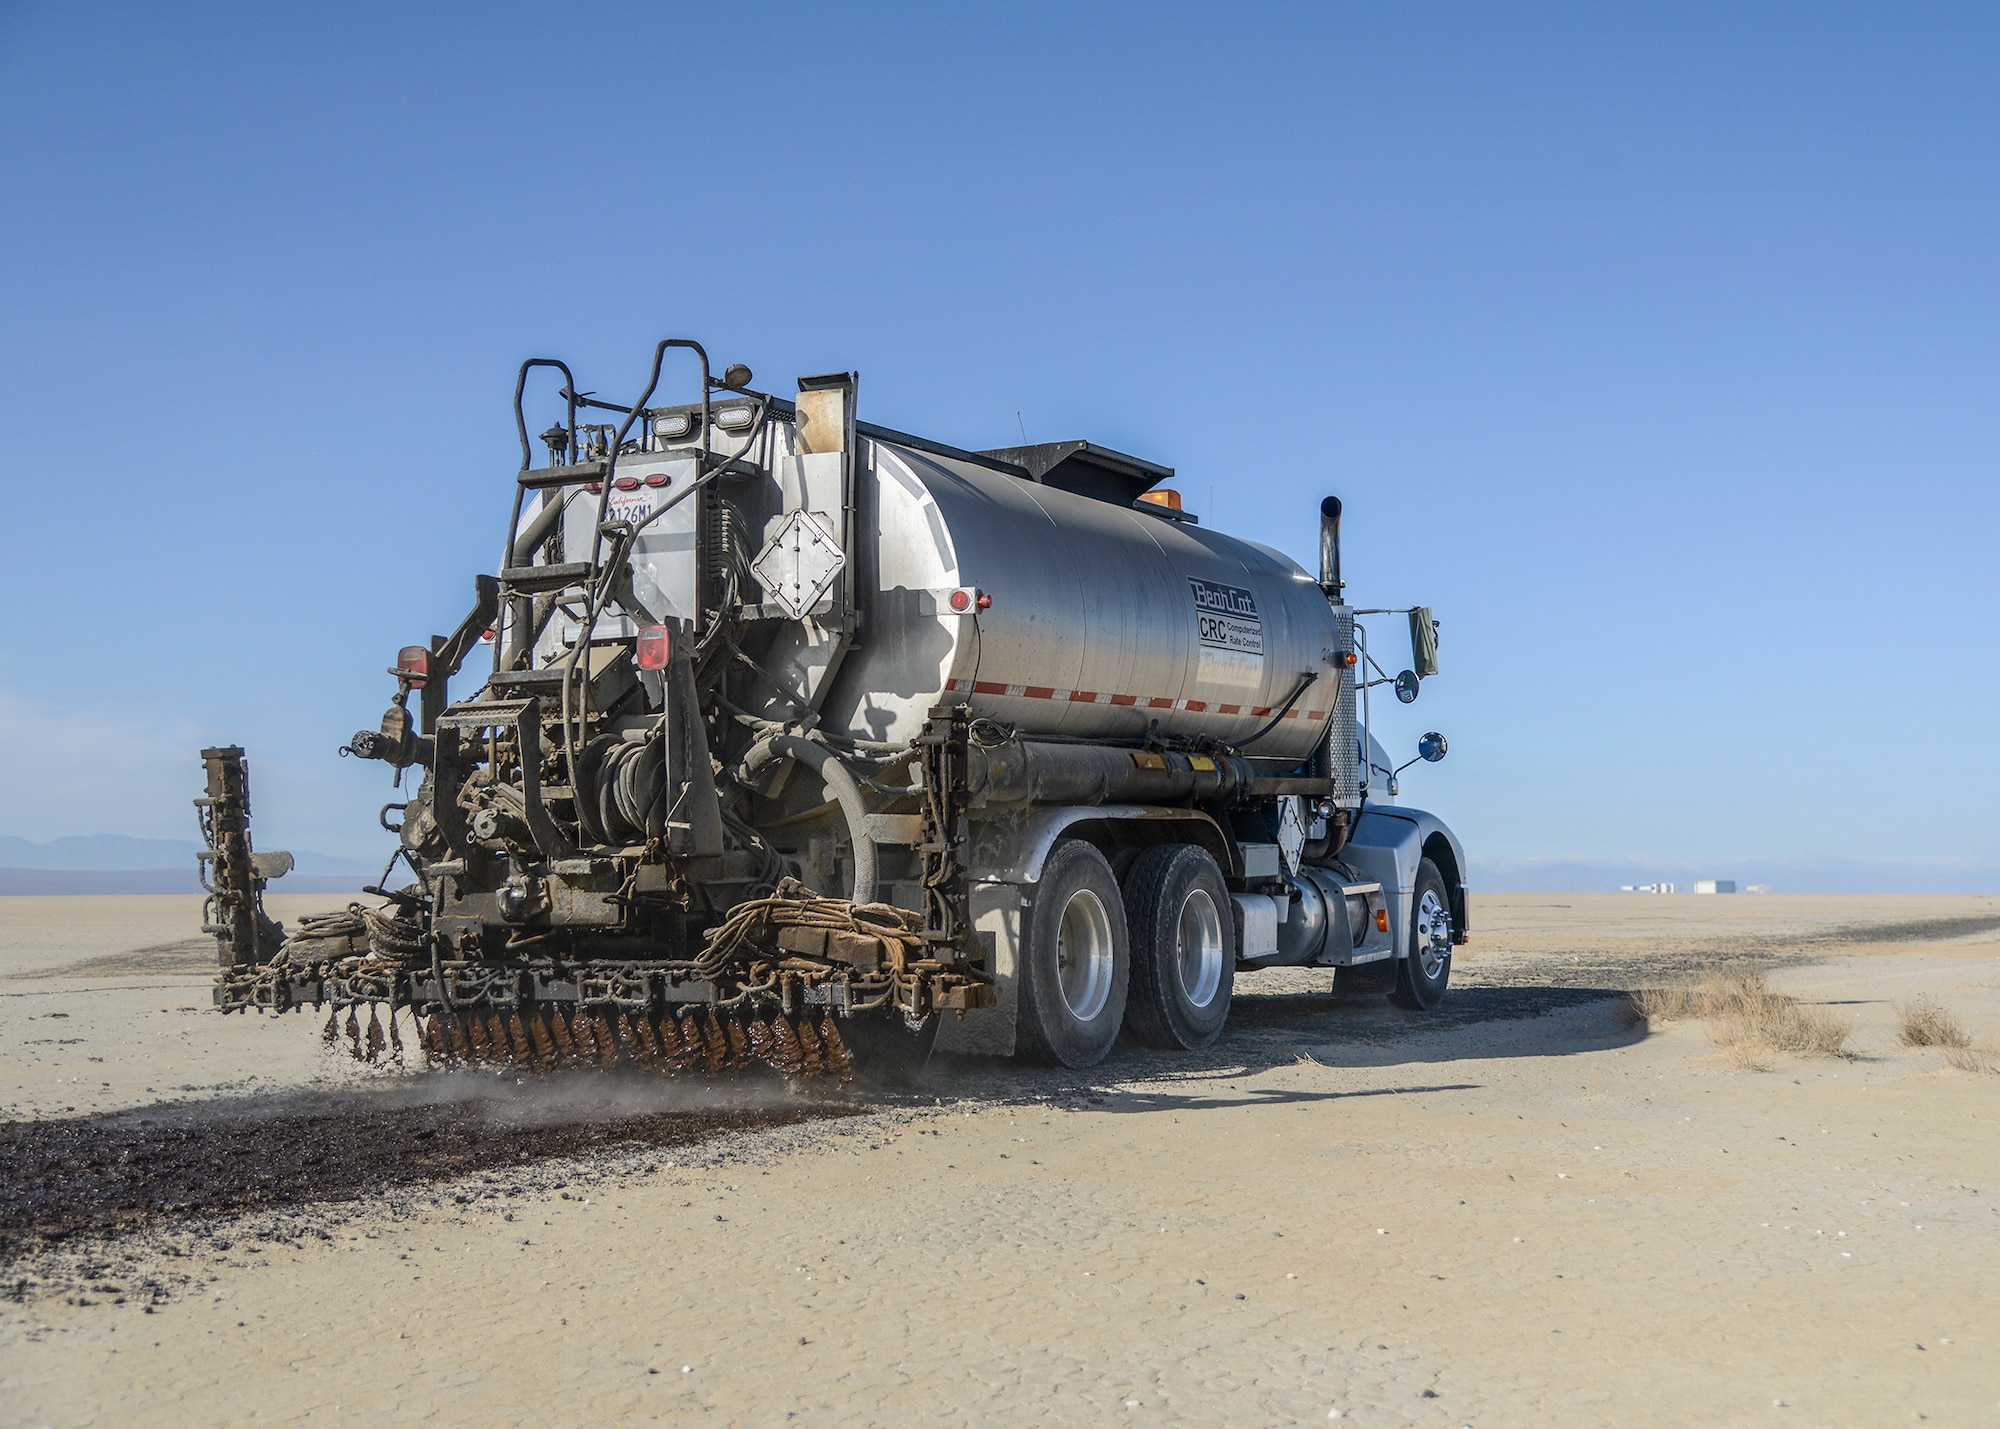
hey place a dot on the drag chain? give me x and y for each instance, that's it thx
(545, 1040)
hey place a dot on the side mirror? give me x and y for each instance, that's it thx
(1407, 686)
(1431, 748)
(1423, 642)
(736, 377)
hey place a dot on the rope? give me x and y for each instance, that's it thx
(751, 929)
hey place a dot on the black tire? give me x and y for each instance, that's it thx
(1183, 948)
(888, 1051)
(1072, 988)
(1425, 967)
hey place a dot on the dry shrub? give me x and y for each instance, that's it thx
(1675, 1002)
(1983, 1058)
(1920, 1022)
(1746, 1018)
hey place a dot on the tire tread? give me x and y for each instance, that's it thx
(1149, 1011)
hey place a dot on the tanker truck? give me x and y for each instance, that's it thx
(777, 737)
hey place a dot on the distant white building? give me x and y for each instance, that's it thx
(1756, 888)
(1715, 885)
(1652, 888)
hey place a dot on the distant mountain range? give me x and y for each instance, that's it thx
(1582, 874)
(118, 863)
(122, 852)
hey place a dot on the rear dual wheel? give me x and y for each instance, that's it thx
(1183, 948)
(1075, 960)
(1156, 956)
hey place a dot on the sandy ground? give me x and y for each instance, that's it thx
(1521, 1212)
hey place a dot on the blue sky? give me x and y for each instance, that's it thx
(1654, 347)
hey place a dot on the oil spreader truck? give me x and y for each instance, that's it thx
(782, 738)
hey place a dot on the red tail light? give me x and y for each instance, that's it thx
(627, 483)
(413, 663)
(595, 487)
(658, 479)
(656, 647)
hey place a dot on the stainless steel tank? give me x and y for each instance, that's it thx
(1080, 616)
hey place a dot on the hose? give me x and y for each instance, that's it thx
(621, 794)
(774, 869)
(840, 783)
(1306, 677)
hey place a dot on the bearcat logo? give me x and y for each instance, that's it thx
(1226, 617)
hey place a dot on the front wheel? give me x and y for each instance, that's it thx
(1074, 963)
(1421, 974)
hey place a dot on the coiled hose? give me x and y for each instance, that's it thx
(622, 791)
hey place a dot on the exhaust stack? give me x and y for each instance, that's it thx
(1329, 548)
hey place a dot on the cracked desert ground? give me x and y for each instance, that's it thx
(1519, 1211)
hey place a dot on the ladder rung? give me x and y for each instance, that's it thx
(546, 678)
(530, 580)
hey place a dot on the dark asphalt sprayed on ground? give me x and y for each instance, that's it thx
(122, 1170)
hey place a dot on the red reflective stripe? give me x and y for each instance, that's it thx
(1097, 697)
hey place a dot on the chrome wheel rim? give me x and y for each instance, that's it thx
(1198, 948)
(1433, 933)
(1083, 955)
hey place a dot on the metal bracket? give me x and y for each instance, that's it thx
(524, 717)
(947, 891)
